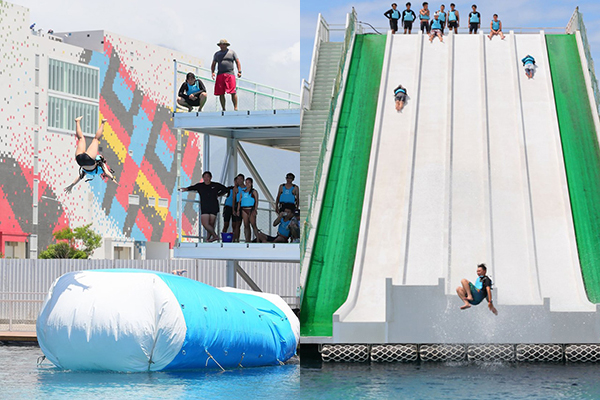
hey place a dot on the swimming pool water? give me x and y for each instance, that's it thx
(21, 378)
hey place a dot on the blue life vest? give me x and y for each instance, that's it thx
(229, 199)
(284, 228)
(287, 196)
(247, 199)
(474, 18)
(436, 24)
(452, 15)
(395, 14)
(496, 25)
(409, 15)
(195, 88)
(96, 171)
(239, 193)
(424, 17)
(528, 60)
(399, 90)
(442, 15)
(478, 283)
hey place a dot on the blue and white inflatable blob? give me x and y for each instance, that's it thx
(135, 320)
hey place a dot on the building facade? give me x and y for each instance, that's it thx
(49, 79)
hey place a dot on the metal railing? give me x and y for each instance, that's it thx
(252, 96)
(576, 24)
(264, 221)
(350, 32)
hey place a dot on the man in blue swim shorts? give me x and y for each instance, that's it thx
(474, 293)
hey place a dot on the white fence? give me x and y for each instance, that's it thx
(24, 283)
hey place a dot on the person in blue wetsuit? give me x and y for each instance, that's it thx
(496, 28)
(443, 16)
(436, 28)
(231, 205)
(287, 227)
(474, 19)
(474, 293)
(408, 17)
(288, 194)
(192, 93)
(89, 161)
(400, 95)
(247, 207)
(529, 64)
(453, 18)
(393, 15)
(424, 17)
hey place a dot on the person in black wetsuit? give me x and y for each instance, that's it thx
(90, 163)
(209, 202)
(393, 15)
(192, 93)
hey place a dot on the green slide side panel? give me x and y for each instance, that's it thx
(581, 152)
(334, 249)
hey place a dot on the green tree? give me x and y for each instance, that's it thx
(78, 243)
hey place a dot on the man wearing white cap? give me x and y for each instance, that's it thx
(225, 82)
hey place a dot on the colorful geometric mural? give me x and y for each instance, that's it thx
(138, 143)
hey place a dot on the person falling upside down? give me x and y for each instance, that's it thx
(90, 162)
(473, 294)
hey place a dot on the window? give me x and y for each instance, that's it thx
(73, 91)
(134, 200)
(75, 79)
(163, 202)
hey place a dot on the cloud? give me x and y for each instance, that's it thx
(287, 57)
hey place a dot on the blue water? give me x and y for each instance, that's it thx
(21, 378)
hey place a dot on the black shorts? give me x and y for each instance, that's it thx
(425, 27)
(393, 24)
(443, 23)
(473, 26)
(84, 160)
(408, 25)
(228, 215)
(209, 210)
(452, 24)
(196, 101)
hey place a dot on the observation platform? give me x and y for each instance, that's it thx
(273, 128)
(276, 252)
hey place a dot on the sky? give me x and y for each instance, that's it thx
(267, 44)
(512, 13)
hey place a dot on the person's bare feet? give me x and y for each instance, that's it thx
(465, 306)
(78, 119)
(104, 121)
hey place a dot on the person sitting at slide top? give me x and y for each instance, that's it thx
(288, 194)
(453, 18)
(496, 28)
(473, 294)
(288, 227)
(442, 15)
(436, 28)
(529, 64)
(400, 97)
(408, 17)
(90, 162)
(231, 205)
(393, 15)
(474, 19)
(424, 17)
(209, 192)
(192, 93)
(248, 208)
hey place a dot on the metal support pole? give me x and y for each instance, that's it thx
(175, 86)
(230, 273)
(232, 146)
(179, 194)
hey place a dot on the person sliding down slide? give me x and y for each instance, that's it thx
(90, 162)
(473, 294)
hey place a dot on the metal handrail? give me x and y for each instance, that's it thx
(292, 99)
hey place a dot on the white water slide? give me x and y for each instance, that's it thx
(471, 171)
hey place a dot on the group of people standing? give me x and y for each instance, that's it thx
(241, 206)
(435, 25)
(192, 92)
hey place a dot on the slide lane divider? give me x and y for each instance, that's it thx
(405, 228)
(449, 135)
